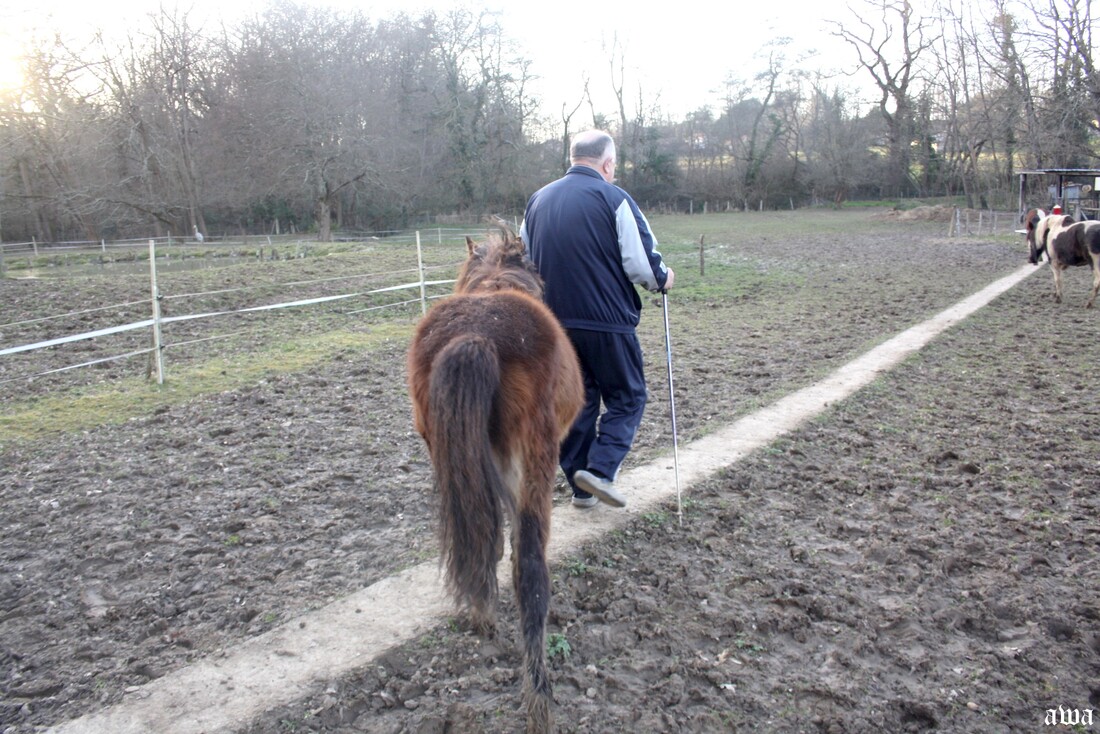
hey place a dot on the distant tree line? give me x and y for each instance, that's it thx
(312, 120)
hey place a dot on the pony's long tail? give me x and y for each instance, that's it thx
(473, 497)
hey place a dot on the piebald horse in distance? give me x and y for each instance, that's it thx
(1067, 243)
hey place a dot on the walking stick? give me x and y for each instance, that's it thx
(672, 410)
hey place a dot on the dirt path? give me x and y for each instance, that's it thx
(286, 663)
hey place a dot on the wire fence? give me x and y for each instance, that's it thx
(410, 269)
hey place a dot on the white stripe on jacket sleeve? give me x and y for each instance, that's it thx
(632, 248)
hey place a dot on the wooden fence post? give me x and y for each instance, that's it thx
(158, 357)
(420, 269)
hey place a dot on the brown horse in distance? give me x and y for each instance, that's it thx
(495, 385)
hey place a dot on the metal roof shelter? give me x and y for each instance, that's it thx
(1063, 175)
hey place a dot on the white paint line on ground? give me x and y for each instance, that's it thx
(276, 668)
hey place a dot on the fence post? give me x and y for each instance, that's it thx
(439, 234)
(3, 272)
(420, 269)
(157, 347)
(34, 242)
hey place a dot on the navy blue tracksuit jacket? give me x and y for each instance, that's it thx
(591, 244)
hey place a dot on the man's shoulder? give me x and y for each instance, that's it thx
(573, 183)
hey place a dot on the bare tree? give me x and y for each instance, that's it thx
(889, 48)
(838, 158)
(55, 137)
(1070, 101)
(305, 113)
(758, 126)
(566, 120)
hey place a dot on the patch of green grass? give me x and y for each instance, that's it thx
(577, 568)
(85, 408)
(557, 646)
(743, 643)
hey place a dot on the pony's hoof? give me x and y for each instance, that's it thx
(540, 719)
(484, 626)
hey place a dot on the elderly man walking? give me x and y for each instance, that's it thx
(591, 245)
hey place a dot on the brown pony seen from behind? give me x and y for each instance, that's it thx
(495, 386)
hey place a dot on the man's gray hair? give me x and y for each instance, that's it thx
(593, 144)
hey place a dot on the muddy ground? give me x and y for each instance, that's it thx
(923, 557)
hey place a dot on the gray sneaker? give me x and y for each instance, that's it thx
(603, 489)
(583, 500)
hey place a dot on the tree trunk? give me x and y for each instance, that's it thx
(324, 219)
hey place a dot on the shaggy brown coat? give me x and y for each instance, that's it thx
(495, 385)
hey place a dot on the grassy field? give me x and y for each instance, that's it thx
(732, 265)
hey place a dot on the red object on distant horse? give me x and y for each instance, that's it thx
(495, 385)
(1056, 210)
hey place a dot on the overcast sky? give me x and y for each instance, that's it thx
(682, 51)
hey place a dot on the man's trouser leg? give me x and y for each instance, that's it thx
(579, 439)
(612, 368)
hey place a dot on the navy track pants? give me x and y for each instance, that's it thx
(611, 364)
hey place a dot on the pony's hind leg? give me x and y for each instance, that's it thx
(531, 580)
(533, 595)
(1095, 286)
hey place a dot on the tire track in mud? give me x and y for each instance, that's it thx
(227, 690)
